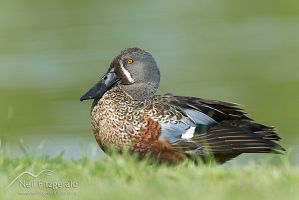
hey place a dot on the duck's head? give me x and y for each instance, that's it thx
(133, 70)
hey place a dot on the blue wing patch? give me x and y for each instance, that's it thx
(199, 118)
(185, 128)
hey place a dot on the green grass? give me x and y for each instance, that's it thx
(122, 177)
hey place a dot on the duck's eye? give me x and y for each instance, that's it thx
(130, 61)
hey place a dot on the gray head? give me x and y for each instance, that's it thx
(134, 70)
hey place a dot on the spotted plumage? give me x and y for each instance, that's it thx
(127, 113)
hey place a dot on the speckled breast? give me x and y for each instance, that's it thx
(116, 120)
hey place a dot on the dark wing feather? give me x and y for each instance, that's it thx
(228, 113)
(232, 133)
(221, 138)
(218, 110)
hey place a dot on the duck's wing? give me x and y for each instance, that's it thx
(217, 127)
(218, 110)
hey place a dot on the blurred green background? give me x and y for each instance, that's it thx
(51, 52)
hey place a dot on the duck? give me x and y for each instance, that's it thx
(126, 113)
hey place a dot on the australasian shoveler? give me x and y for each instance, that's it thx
(127, 113)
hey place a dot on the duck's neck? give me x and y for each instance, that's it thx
(140, 92)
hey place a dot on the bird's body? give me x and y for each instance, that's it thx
(127, 113)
